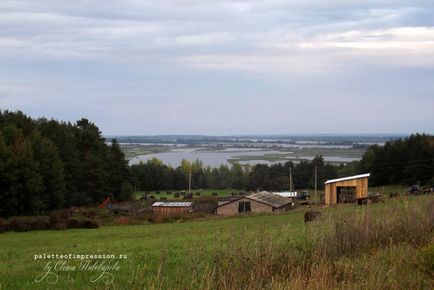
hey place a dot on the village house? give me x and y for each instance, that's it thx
(261, 202)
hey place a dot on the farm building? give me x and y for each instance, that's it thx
(261, 202)
(346, 189)
(161, 207)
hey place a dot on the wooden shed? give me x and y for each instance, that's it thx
(175, 207)
(346, 189)
(261, 202)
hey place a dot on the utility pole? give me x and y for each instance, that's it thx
(291, 186)
(316, 181)
(189, 182)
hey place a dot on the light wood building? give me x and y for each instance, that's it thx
(346, 189)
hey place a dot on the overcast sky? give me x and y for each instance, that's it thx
(221, 67)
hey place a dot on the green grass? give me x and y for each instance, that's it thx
(144, 244)
(203, 192)
(165, 254)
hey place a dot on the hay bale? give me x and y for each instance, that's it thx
(311, 216)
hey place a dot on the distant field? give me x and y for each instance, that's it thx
(203, 192)
(384, 190)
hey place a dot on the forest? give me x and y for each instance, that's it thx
(48, 164)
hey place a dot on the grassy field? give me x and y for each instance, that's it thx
(241, 252)
(203, 192)
(145, 245)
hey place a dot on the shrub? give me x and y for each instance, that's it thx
(58, 226)
(177, 194)
(90, 224)
(2, 227)
(39, 223)
(19, 224)
(73, 223)
(215, 194)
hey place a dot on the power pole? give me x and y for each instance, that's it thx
(291, 186)
(316, 181)
(189, 181)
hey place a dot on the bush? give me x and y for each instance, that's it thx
(73, 223)
(40, 223)
(197, 193)
(177, 194)
(215, 194)
(2, 227)
(24, 223)
(90, 224)
(58, 226)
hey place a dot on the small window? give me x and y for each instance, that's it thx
(244, 206)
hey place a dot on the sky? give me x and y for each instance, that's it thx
(214, 67)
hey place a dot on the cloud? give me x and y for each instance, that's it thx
(90, 57)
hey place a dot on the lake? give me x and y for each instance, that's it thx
(217, 158)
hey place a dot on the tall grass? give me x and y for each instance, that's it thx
(386, 246)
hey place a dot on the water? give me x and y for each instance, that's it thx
(217, 158)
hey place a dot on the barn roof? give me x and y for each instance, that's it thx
(347, 178)
(172, 204)
(269, 198)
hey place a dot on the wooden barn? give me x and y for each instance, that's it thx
(261, 202)
(347, 189)
(169, 207)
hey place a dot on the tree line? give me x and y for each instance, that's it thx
(404, 161)
(154, 175)
(47, 165)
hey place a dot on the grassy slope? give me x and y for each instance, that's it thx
(144, 246)
(180, 246)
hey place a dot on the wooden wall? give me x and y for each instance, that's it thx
(361, 185)
(171, 209)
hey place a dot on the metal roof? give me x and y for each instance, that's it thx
(269, 198)
(172, 203)
(347, 178)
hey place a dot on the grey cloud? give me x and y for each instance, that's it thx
(163, 66)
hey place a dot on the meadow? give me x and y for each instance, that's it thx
(379, 246)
